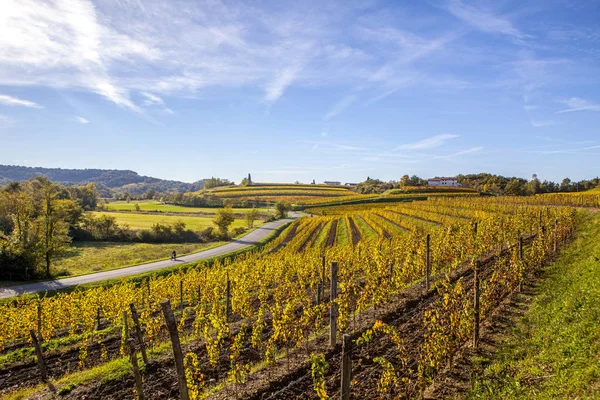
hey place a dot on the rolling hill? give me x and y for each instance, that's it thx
(108, 181)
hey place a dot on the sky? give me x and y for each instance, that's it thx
(302, 90)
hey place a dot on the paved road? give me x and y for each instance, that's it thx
(250, 239)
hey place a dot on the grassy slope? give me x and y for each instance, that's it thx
(88, 257)
(554, 351)
(145, 221)
(152, 205)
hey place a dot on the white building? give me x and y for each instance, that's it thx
(443, 181)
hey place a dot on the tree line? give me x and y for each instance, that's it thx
(484, 182)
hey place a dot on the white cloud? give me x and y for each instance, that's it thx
(529, 107)
(324, 134)
(5, 121)
(81, 120)
(154, 100)
(428, 143)
(565, 151)
(482, 20)
(462, 152)
(540, 124)
(64, 43)
(577, 104)
(340, 106)
(280, 82)
(13, 101)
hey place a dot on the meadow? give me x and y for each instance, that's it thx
(157, 206)
(146, 221)
(88, 257)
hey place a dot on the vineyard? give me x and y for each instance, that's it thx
(394, 282)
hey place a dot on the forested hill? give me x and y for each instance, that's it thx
(108, 181)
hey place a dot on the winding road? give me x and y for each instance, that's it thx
(248, 240)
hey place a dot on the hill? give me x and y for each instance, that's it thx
(108, 181)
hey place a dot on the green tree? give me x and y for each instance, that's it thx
(223, 219)
(514, 187)
(251, 216)
(405, 180)
(281, 209)
(54, 228)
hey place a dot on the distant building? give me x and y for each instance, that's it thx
(443, 181)
(332, 183)
(350, 184)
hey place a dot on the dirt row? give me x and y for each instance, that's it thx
(392, 223)
(355, 232)
(332, 235)
(429, 221)
(311, 237)
(290, 235)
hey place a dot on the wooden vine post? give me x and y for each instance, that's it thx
(138, 331)
(136, 368)
(333, 312)
(427, 262)
(319, 289)
(177, 353)
(476, 305)
(346, 367)
(40, 356)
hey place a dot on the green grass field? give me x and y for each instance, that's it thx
(145, 221)
(88, 257)
(554, 351)
(152, 205)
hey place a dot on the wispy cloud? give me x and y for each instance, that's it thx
(484, 21)
(578, 104)
(154, 100)
(540, 124)
(81, 120)
(283, 78)
(529, 107)
(460, 153)
(324, 134)
(64, 44)
(428, 143)
(14, 101)
(340, 106)
(327, 145)
(565, 151)
(5, 120)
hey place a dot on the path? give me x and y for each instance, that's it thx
(250, 239)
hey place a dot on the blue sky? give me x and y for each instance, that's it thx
(302, 90)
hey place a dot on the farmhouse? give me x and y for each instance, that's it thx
(332, 183)
(443, 181)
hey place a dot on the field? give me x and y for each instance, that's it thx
(279, 308)
(156, 206)
(145, 221)
(88, 257)
(296, 194)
